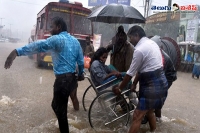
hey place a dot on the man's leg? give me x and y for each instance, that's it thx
(59, 106)
(158, 113)
(59, 103)
(198, 72)
(169, 84)
(73, 96)
(137, 118)
(152, 120)
(192, 75)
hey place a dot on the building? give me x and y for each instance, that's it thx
(182, 25)
(164, 24)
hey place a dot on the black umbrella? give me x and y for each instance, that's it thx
(116, 13)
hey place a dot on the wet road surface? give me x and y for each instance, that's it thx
(26, 92)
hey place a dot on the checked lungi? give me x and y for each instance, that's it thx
(153, 88)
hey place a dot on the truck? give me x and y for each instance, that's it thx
(75, 16)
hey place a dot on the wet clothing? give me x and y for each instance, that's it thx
(98, 72)
(63, 86)
(196, 68)
(168, 68)
(123, 57)
(147, 62)
(65, 52)
(188, 58)
(170, 74)
(153, 90)
(147, 57)
(122, 51)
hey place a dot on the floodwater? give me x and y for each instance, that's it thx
(26, 93)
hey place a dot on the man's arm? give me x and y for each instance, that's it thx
(135, 81)
(39, 46)
(135, 65)
(113, 73)
(10, 59)
(109, 47)
(29, 49)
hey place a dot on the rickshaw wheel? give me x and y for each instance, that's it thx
(108, 111)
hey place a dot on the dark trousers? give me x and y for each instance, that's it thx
(63, 86)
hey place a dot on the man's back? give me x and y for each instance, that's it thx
(150, 53)
(66, 53)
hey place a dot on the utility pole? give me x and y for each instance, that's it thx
(17, 33)
(169, 5)
(147, 3)
(1, 20)
(145, 8)
(10, 30)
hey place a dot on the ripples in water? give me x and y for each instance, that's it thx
(12, 120)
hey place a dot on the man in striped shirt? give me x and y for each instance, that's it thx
(66, 52)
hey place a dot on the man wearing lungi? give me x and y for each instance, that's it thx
(147, 64)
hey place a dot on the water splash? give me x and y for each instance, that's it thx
(180, 121)
(40, 80)
(46, 127)
(166, 119)
(6, 101)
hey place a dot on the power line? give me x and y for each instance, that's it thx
(26, 2)
(137, 3)
(160, 4)
(1, 20)
(185, 2)
(179, 2)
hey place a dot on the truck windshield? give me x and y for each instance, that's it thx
(63, 15)
(81, 24)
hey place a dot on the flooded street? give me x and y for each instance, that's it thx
(26, 93)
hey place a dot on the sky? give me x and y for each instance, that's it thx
(20, 15)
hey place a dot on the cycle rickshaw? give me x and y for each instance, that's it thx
(105, 109)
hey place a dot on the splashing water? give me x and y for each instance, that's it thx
(6, 101)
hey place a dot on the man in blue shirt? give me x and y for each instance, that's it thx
(66, 52)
